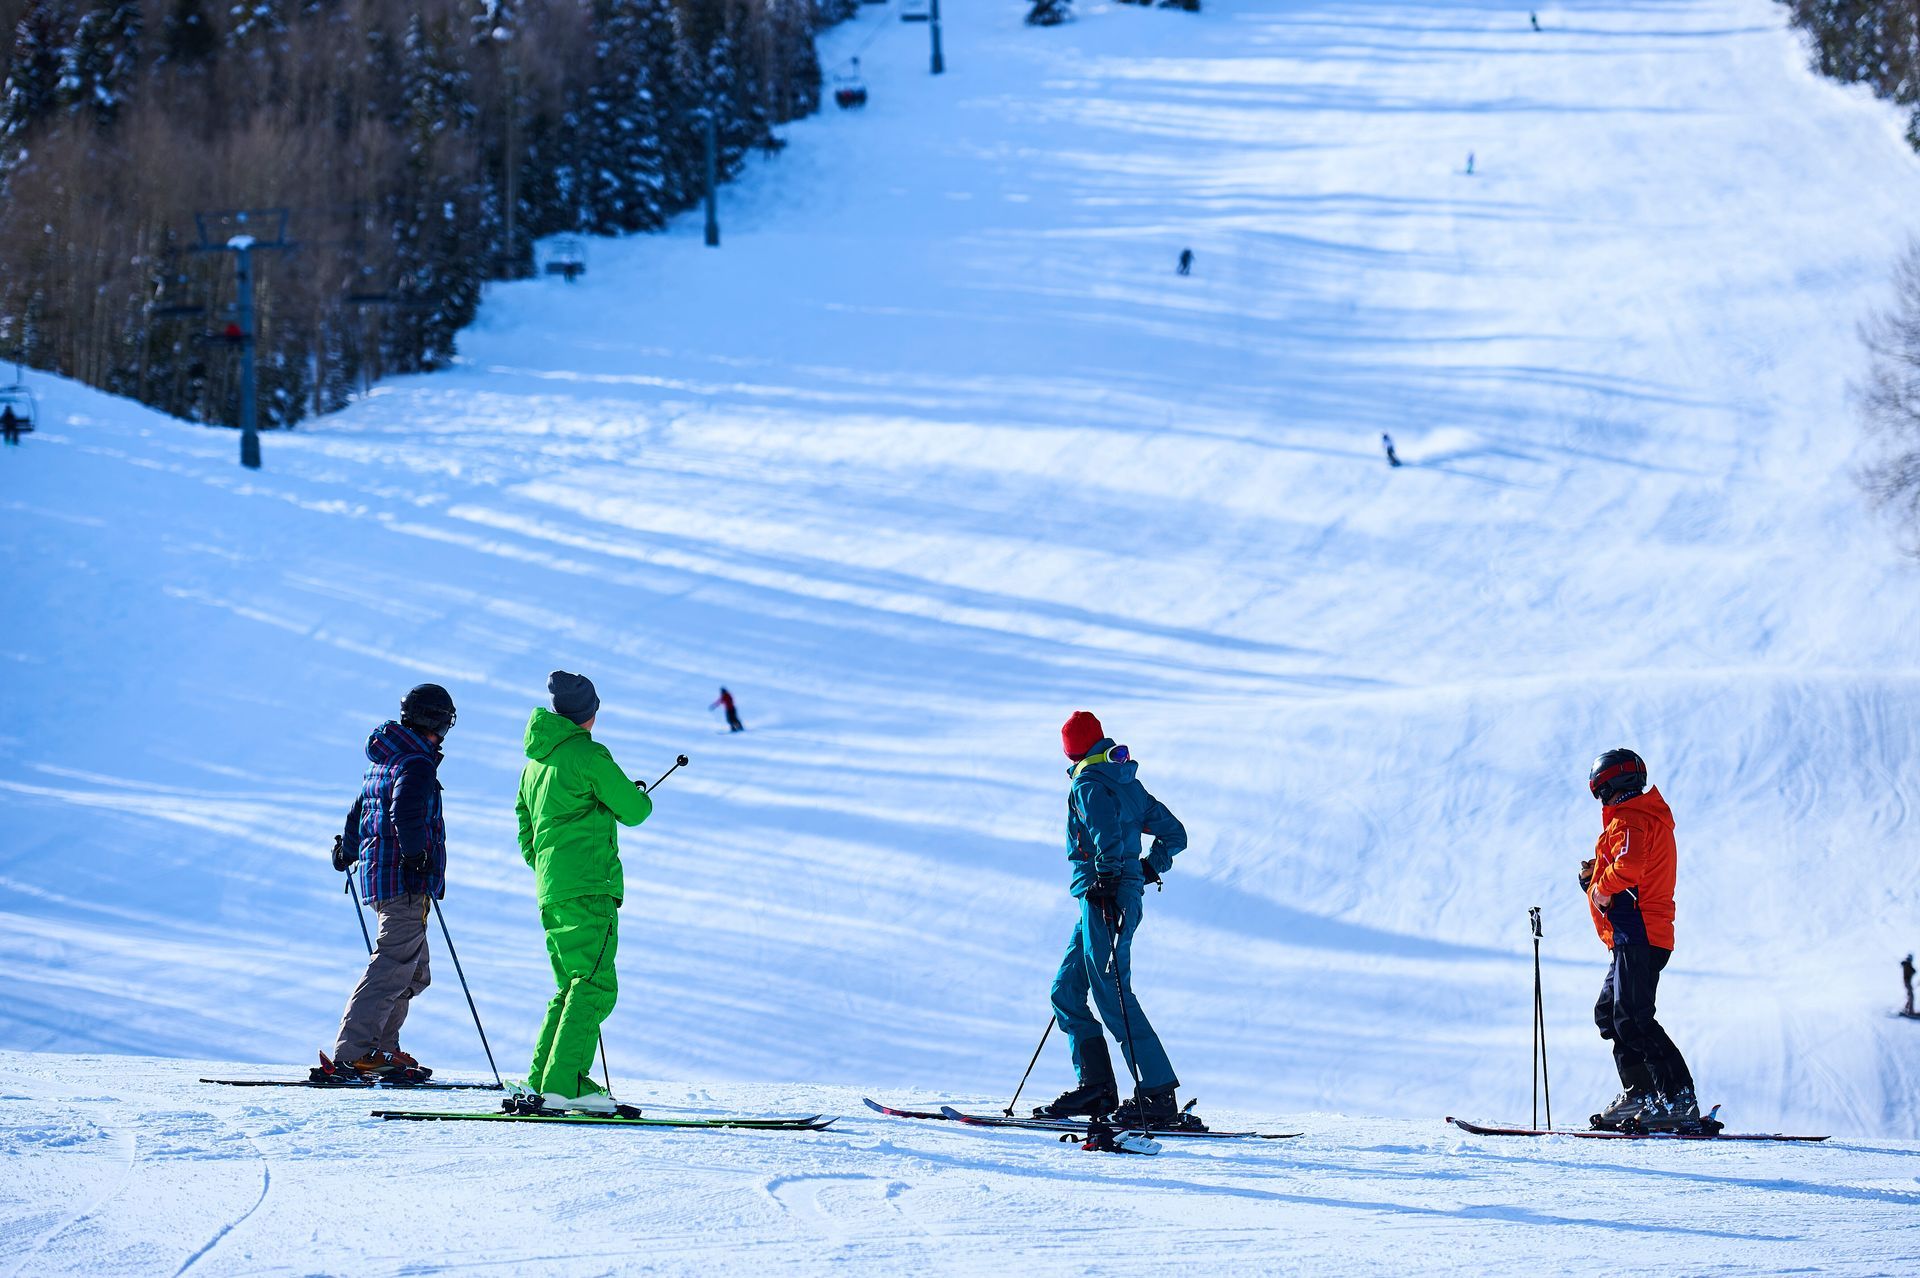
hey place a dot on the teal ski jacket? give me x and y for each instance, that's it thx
(1107, 812)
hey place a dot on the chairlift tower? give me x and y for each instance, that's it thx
(927, 11)
(242, 232)
(712, 129)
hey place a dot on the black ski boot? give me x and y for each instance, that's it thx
(1097, 1094)
(1155, 1110)
(1679, 1112)
(1630, 1108)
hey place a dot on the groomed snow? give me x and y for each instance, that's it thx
(933, 450)
(131, 1168)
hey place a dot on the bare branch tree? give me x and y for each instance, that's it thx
(1889, 403)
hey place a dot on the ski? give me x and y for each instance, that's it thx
(1479, 1129)
(428, 1085)
(812, 1123)
(1083, 1126)
(888, 1110)
(1068, 1126)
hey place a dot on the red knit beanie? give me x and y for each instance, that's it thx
(1080, 734)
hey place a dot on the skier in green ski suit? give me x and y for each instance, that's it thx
(571, 794)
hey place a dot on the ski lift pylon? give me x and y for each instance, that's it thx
(850, 87)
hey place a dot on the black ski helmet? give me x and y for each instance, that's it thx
(1617, 775)
(428, 708)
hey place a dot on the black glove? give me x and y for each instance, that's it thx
(414, 867)
(344, 857)
(1104, 896)
(1147, 871)
(1586, 876)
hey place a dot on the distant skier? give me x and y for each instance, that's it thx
(1535, 19)
(1469, 164)
(1186, 261)
(1906, 978)
(10, 424)
(397, 835)
(733, 714)
(1386, 442)
(571, 795)
(1107, 812)
(1629, 885)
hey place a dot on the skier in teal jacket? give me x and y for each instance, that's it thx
(1107, 812)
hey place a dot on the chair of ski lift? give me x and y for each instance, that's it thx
(849, 87)
(916, 11)
(26, 412)
(567, 258)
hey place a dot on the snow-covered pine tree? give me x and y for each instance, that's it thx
(38, 62)
(1050, 13)
(103, 59)
(259, 26)
(795, 91)
(187, 36)
(626, 174)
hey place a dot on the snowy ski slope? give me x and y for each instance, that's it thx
(937, 448)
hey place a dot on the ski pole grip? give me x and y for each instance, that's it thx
(679, 762)
(1533, 919)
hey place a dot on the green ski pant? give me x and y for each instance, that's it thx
(582, 936)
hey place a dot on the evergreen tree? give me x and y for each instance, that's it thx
(258, 25)
(34, 72)
(1050, 13)
(102, 60)
(625, 173)
(187, 37)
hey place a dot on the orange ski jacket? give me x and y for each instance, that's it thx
(1635, 862)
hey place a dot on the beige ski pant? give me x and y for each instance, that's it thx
(396, 971)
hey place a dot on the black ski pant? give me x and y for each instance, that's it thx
(1624, 1013)
(733, 721)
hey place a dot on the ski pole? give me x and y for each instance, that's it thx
(1030, 1064)
(359, 913)
(679, 762)
(468, 992)
(606, 1070)
(1539, 1027)
(1126, 1022)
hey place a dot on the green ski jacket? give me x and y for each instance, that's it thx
(571, 793)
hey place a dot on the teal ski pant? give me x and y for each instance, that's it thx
(1090, 967)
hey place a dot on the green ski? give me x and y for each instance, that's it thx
(813, 1123)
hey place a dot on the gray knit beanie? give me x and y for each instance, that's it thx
(573, 696)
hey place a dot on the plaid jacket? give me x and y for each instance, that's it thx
(397, 817)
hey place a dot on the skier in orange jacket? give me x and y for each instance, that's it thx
(1629, 886)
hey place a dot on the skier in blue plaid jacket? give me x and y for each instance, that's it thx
(396, 841)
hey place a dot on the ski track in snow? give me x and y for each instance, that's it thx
(935, 449)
